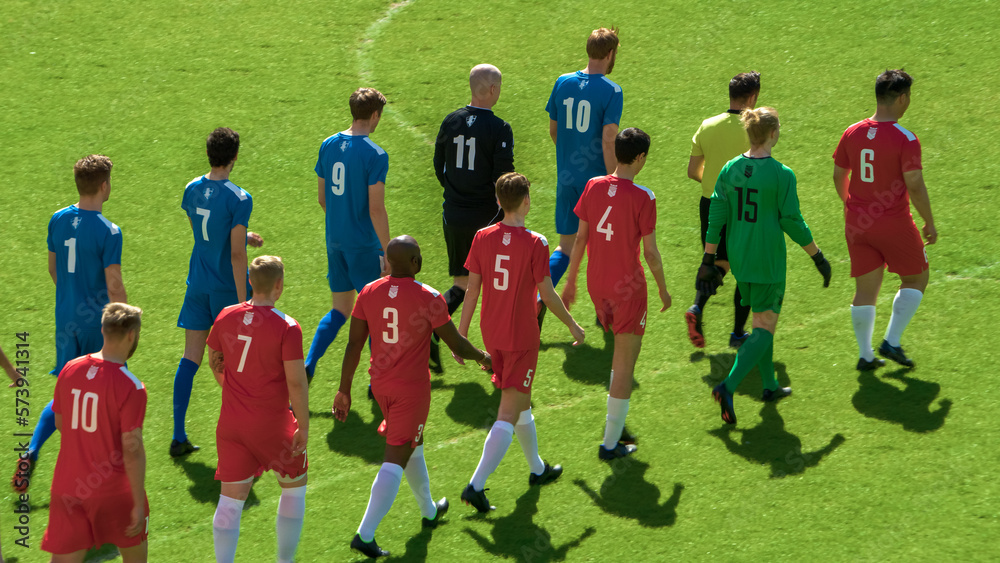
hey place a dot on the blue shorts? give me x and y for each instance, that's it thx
(73, 342)
(202, 307)
(352, 270)
(567, 223)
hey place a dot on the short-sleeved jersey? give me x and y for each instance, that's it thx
(401, 314)
(215, 208)
(98, 401)
(581, 105)
(255, 342)
(877, 153)
(85, 243)
(755, 199)
(349, 164)
(474, 147)
(512, 262)
(618, 214)
(719, 139)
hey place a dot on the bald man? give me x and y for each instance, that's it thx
(474, 147)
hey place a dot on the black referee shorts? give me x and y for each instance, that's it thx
(459, 241)
(720, 253)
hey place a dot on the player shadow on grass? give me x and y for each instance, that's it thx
(355, 437)
(517, 536)
(587, 364)
(471, 405)
(769, 443)
(909, 407)
(626, 493)
(720, 364)
(204, 488)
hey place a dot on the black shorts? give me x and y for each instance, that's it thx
(720, 252)
(458, 240)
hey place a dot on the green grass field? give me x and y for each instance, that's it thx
(900, 465)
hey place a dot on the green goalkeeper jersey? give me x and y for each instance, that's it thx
(755, 199)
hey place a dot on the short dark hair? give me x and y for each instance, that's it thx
(90, 172)
(744, 85)
(511, 189)
(222, 146)
(630, 143)
(365, 102)
(891, 84)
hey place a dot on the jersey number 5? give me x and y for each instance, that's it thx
(81, 415)
(460, 151)
(751, 205)
(503, 274)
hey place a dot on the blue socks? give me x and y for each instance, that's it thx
(558, 263)
(43, 430)
(326, 332)
(183, 383)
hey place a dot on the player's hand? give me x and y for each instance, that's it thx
(255, 240)
(709, 278)
(137, 521)
(568, 294)
(665, 299)
(578, 333)
(486, 362)
(299, 440)
(823, 265)
(930, 233)
(341, 406)
(459, 359)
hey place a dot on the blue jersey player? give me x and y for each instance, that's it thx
(85, 256)
(219, 213)
(351, 172)
(584, 111)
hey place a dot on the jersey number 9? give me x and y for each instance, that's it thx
(337, 179)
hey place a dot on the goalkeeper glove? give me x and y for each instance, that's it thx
(823, 265)
(709, 277)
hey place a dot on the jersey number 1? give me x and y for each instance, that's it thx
(71, 257)
(460, 151)
(81, 415)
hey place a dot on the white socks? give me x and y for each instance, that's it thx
(291, 511)
(384, 491)
(226, 528)
(420, 483)
(617, 410)
(528, 439)
(903, 307)
(863, 319)
(496, 445)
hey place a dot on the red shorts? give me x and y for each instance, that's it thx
(249, 452)
(405, 416)
(514, 369)
(894, 241)
(76, 524)
(622, 317)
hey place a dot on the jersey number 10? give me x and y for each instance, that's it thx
(82, 417)
(582, 114)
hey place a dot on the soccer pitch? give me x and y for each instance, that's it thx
(895, 465)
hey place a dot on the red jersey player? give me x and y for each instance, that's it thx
(509, 264)
(400, 314)
(98, 491)
(877, 173)
(615, 214)
(255, 352)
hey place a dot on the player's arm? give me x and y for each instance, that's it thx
(116, 287)
(8, 368)
(503, 153)
(917, 189)
(134, 459)
(575, 258)
(217, 362)
(791, 221)
(378, 213)
(552, 301)
(608, 135)
(652, 255)
(709, 278)
(352, 356)
(842, 182)
(298, 396)
(52, 266)
(553, 130)
(470, 303)
(696, 167)
(460, 345)
(322, 192)
(238, 257)
(440, 145)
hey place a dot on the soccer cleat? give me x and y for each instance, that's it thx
(736, 341)
(725, 400)
(628, 438)
(435, 361)
(693, 318)
(775, 394)
(540, 309)
(549, 474)
(369, 548)
(865, 365)
(178, 449)
(442, 509)
(477, 499)
(894, 353)
(371, 396)
(22, 474)
(620, 450)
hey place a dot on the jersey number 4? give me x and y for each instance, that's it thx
(750, 216)
(85, 415)
(462, 142)
(603, 227)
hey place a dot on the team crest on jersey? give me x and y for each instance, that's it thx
(393, 291)
(506, 239)
(871, 132)
(612, 190)
(92, 372)
(248, 318)
(344, 145)
(748, 171)
(76, 222)
(470, 120)
(208, 192)
(583, 84)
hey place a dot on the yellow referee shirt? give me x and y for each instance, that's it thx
(719, 140)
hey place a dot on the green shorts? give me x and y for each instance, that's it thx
(762, 296)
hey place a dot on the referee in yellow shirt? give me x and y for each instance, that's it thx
(716, 142)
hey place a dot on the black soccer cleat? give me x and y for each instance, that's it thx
(628, 438)
(22, 474)
(695, 333)
(620, 450)
(894, 353)
(725, 400)
(435, 360)
(549, 474)
(179, 449)
(775, 394)
(736, 341)
(442, 509)
(477, 499)
(865, 365)
(370, 549)
(541, 309)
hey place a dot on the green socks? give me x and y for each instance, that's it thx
(759, 346)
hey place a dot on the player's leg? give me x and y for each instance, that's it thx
(75, 557)
(226, 522)
(342, 296)
(626, 352)
(135, 554)
(291, 513)
(904, 305)
(512, 404)
(458, 242)
(567, 224)
(693, 315)
(907, 257)
(194, 352)
(867, 286)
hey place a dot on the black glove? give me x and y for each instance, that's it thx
(709, 277)
(823, 265)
